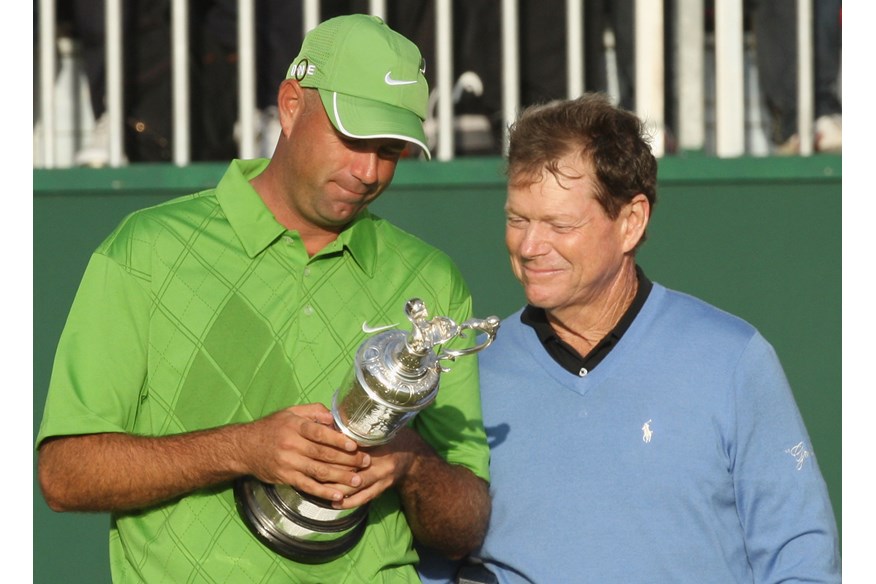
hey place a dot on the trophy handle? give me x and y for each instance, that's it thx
(488, 325)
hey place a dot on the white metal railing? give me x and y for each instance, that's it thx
(690, 70)
(180, 41)
(729, 88)
(649, 69)
(114, 81)
(729, 79)
(805, 65)
(47, 80)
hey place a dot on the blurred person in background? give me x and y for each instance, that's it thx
(774, 23)
(146, 93)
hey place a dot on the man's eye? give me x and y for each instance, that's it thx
(392, 151)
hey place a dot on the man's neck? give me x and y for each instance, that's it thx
(583, 327)
(315, 238)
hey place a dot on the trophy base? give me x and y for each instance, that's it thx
(295, 525)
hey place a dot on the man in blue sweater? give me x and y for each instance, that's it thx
(637, 434)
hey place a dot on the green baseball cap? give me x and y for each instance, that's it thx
(371, 79)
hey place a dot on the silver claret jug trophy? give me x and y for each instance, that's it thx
(394, 376)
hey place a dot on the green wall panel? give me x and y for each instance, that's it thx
(758, 237)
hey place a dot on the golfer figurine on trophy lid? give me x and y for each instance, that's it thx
(395, 375)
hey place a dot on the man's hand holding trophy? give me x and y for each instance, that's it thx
(395, 375)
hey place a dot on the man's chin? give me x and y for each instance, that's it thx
(343, 216)
(539, 300)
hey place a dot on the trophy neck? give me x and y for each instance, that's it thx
(408, 362)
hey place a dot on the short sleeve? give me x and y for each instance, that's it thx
(100, 363)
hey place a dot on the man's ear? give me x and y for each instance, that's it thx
(635, 215)
(290, 102)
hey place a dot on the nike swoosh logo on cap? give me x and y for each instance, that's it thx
(390, 81)
(375, 329)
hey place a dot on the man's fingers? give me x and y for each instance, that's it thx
(321, 434)
(358, 498)
(327, 481)
(315, 412)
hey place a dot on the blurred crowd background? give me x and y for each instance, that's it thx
(82, 127)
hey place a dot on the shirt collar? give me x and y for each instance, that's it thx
(564, 354)
(256, 227)
(360, 240)
(252, 222)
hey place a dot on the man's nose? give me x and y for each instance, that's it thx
(365, 165)
(534, 242)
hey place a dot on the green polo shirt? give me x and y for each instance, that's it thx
(205, 311)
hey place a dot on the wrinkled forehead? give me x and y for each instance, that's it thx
(549, 193)
(565, 169)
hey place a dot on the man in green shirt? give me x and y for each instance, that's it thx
(209, 334)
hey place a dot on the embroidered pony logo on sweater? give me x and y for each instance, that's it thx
(646, 432)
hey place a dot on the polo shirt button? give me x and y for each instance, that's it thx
(288, 240)
(308, 310)
(306, 272)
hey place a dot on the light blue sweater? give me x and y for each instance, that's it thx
(681, 458)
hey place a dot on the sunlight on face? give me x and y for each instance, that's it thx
(563, 247)
(335, 177)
